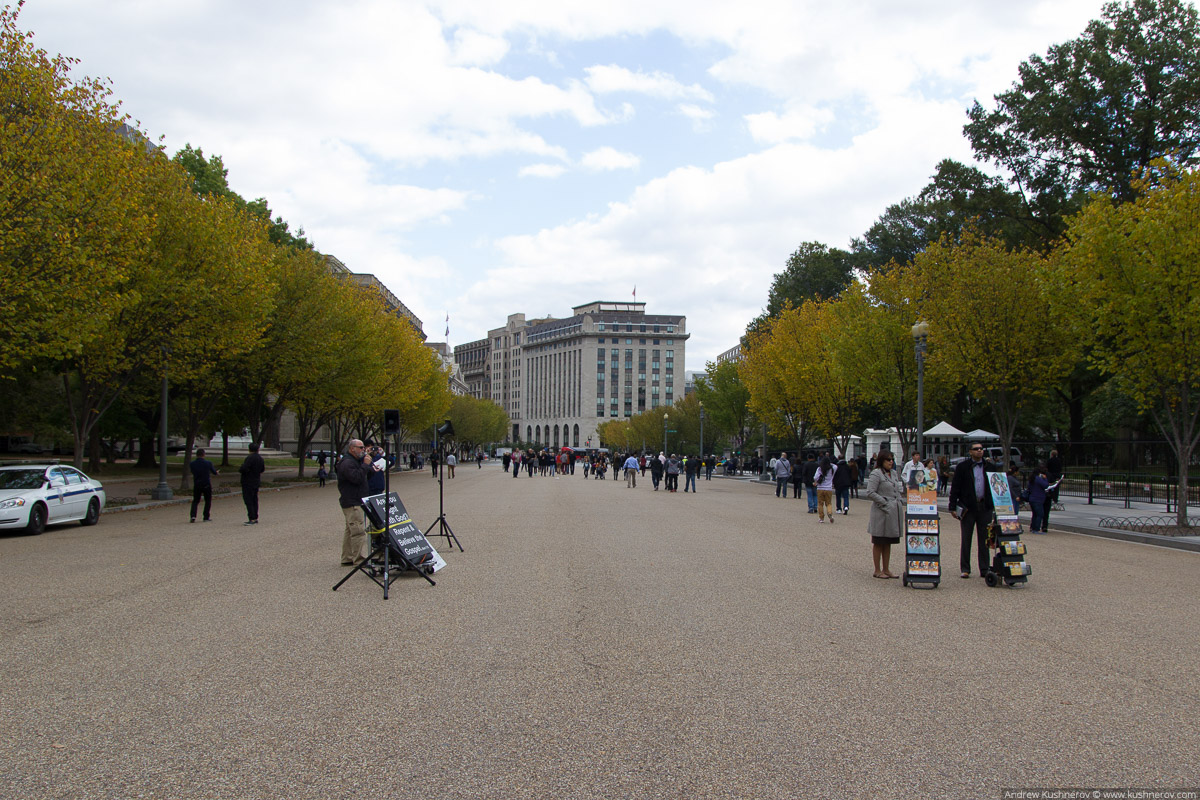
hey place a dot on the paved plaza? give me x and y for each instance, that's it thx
(591, 642)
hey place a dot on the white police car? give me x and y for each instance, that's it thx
(33, 496)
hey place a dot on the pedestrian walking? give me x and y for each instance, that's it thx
(691, 468)
(251, 472)
(783, 474)
(202, 472)
(631, 472)
(823, 480)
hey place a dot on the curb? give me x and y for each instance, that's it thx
(181, 499)
(1176, 543)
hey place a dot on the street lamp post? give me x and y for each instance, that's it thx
(665, 416)
(920, 332)
(762, 476)
(702, 432)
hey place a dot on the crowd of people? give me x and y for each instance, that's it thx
(828, 482)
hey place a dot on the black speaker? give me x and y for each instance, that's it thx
(391, 420)
(447, 429)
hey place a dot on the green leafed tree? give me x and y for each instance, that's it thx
(726, 402)
(1094, 111)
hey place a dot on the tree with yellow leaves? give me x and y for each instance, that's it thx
(992, 323)
(1133, 271)
(71, 218)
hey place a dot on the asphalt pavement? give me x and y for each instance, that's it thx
(592, 641)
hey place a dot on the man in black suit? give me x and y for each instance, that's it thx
(969, 492)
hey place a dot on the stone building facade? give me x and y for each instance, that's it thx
(559, 378)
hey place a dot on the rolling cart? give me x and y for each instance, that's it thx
(922, 544)
(1008, 564)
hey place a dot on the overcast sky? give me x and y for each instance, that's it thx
(486, 158)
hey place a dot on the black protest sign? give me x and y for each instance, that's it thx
(403, 534)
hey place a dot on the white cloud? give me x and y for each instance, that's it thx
(606, 159)
(770, 127)
(374, 124)
(475, 49)
(612, 78)
(700, 117)
(706, 242)
(541, 171)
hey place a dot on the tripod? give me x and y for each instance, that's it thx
(442, 525)
(370, 566)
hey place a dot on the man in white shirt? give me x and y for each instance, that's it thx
(912, 465)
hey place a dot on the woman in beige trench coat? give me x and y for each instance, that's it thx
(885, 490)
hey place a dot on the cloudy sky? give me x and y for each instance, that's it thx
(487, 157)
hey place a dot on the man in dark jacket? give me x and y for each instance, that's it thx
(353, 473)
(841, 486)
(202, 472)
(251, 471)
(810, 472)
(971, 504)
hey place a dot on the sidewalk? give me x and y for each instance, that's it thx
(1079, 517)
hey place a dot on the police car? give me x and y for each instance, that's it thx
(33, 496)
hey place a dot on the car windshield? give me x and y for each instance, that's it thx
(21, 478)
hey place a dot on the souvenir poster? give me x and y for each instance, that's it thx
(1010, 527)
(1001, 495)
(919, 525)
(922, 567)
(922, 502)
(922, 545)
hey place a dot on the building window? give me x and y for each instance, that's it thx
(601, 340)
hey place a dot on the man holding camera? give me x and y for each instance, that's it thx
(353, 477)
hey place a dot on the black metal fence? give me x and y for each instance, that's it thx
(1128, 488)
(1122, 456)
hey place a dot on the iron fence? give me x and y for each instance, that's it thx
(1128, 488)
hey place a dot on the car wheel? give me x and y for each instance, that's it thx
(37, 519)
(93, 513)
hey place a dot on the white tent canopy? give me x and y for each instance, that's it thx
(980, 433)
(944, 429)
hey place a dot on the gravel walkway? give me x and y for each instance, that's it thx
(592, 642)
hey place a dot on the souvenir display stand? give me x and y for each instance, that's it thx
(1008, 564)
(922, 544)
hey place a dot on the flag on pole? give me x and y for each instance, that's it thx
(447, 327)
(635, 293)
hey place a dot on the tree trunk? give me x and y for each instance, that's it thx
(94, 450)
(146, 458)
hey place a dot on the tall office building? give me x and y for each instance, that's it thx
(474, 359)
(559, 378)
